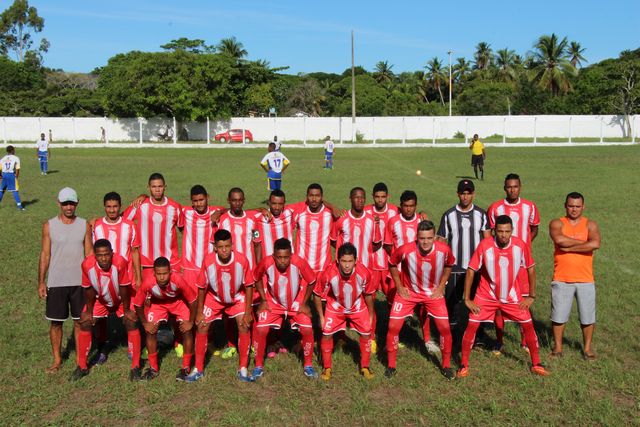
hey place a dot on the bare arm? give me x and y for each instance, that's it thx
(317, 301)
(468, 281)
(439, 292)
(43, 264)
(534, 231)
(592, 243)
(395, 275)
(559, 239)
(137, 268)
(88, 244)
(528, 300)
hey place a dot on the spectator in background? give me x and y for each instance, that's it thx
(477, 156)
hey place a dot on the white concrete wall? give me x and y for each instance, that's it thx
(313, 129)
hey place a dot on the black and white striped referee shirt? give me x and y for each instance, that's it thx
(463, 232)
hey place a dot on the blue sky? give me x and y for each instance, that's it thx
(315, 36)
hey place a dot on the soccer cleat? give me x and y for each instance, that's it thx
(271, 351)
(150, 374)
(463, 372)
(228, 353)
(179, 349)
(366, 373)
(135, 374)
(100, 359)
(217, 353)
(194, 376)
(182, 374)
(310, 372)
(22, 209)
(497, 350)
(432, 347)
(257, 372)
(540, 370)
(401, 345)
(448, 373)
(243, 375)
(144, 354)
(374, 347)
(326, 374)
(390, 372)
(78, 374)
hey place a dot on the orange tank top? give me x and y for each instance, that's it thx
(573, 267)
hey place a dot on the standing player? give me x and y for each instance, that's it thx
(225, 287)
(498, 260)
(276, 142)
(106, 281)
(43, 153)
(526, 219)
(329, 148)
(10, 167)
(575, 238)
(477, 156)
(274, 164)
(285, 283)
(346, 285)
(162, 294)
(426, 266)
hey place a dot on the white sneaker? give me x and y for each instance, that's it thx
(432, 347)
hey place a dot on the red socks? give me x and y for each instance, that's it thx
(201, 350)
(326, 347)
(307, 346)
(467, 342)
(532, 342)
(446, 342)
(84, 346)
(365, 351)
(260, 344)
(499, 322)
(133, 341)
(153, 361)
(244, 342)
(393, 337)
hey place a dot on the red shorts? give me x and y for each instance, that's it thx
(488, 310)
(274, 318)
(100, 310)
(523, 278)
(334, 322)
(401, 308)
(214, 309)
(157, 313)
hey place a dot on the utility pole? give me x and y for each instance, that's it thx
(450, 80)
(353, 82)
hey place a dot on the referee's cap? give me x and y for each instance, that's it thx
(68, 194)
(466, 185)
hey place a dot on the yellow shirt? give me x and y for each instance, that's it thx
(476, 148)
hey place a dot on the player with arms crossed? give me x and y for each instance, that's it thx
(10, 167)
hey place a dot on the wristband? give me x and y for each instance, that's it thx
(532, 296)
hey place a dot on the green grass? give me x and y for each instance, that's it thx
(500, 391)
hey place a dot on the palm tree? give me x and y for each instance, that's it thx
(483, 56)
(505, 60)
(576, 51)
(383, 73)
(461, 68)
(232, 48)
(552, 69)
(436, 75)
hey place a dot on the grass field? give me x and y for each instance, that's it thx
(500, 391)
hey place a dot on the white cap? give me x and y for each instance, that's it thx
(68, 194)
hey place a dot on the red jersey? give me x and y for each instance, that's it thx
(196, 236)
(156, 226)
(226, 282)
(523, 213)
(242, 231)
(345, 295)
(380, 257)
(106, 283)
(422, 273)
(285, 290)
(176, 289)
(499, 274)
(271, 230)
(122, 235)
(313, 238)
(401, 231)
(362, 232)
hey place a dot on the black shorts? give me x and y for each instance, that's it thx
(477, 160)
(62, 300)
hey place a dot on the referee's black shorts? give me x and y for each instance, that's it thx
(477, 160)
(62, 301)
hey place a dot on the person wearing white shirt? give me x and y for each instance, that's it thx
(329, 148)
(43, 153)
(274, 163)
(10, 171)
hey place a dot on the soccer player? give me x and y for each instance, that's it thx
(462, 227)
(225, 287)
(329, 149)
(498, 260)
(106, 281)
(285, 283)
(477, 156)
(163, 294)
(575, 238)
(346, 285)
(426, 266)
(10, 167)
(274, 164)
(43, 153)
(277, 225)
(277, 143)
(526, 219)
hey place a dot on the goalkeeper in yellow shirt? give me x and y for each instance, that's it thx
(477, 156)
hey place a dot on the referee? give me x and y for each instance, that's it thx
(462, 227)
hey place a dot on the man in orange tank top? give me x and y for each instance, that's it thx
(575, 238)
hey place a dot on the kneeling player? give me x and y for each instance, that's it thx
(426, 266)
(289, 283)
(225, 286)
(346, 285)
(166, 293)
(498, 259)
(107, 288)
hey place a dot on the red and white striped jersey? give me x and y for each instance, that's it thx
(122, 235)
(196, 236)
(362, 232)
(157, 229)
(345, 295)
(226, 282)
(243, 231)
(499, 269)
(285, 290)
(176, 289)
(523, 213)
(380, 257)
(106, 283)
(273, 229)
(313, 238)
(422, 273)
(401, 231)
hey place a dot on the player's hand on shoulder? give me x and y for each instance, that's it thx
(139, 200)
(423, 216)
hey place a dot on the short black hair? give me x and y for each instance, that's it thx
(574, 195)
(354, 189)
(426, 225)
(408, 195)
(511, 176)
(112, 195)
(504, 219)
(221, 235)
(314, 186)
(281, 244)
(197, 190)
(10, 149)
(272, 145)
(277, 193)
(102, 243)
(235, 190)
(347, 249)
(161, 262)
(381, 186)
(156, 176)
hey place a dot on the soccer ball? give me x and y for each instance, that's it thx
(418, 172)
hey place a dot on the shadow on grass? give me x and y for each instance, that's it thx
(26, 203)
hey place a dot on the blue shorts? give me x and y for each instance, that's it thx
(328, 155)
(42, 155)
(9, 182)
(274, 184)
